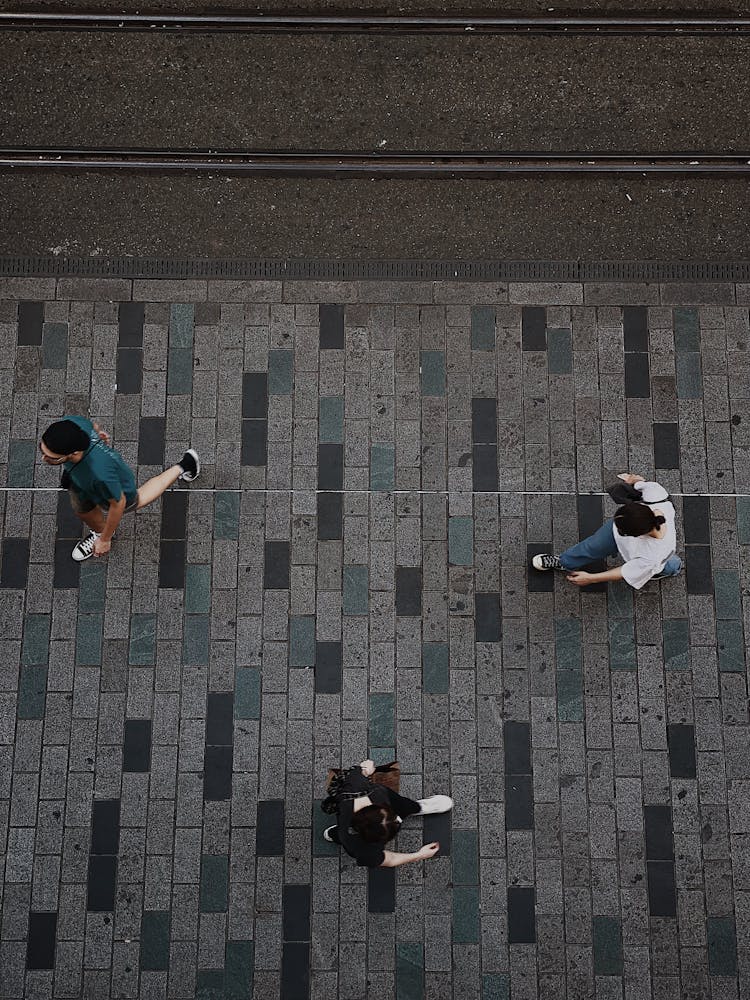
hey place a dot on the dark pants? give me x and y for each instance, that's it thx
(402, 807)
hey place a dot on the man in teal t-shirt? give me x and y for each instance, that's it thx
(101, 486)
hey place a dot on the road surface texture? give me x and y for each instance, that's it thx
(169, 713)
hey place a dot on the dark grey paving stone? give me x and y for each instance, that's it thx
(30, 323)
(40, 947)
(534, 328)
(130, 320)
(136, 754)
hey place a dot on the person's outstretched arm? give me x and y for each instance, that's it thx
(393, 859)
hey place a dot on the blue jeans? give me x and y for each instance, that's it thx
(602, 544)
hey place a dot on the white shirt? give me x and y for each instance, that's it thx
(645, 555)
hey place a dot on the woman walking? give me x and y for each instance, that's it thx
(370, 815)
(642, 532)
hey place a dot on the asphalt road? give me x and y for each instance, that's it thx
(521, 218)
(354, 92)
(392, 7)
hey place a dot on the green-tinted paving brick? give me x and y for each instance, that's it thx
(92, 589)
(301, 642)
(331, 420)
(382, 465)
(496, 986)
(435, 672)
(195, 640)
(155, 940)
(568, 650)
(247, 693)
(382, 755)
(686, 330)
(181, 322)
(89, 640)
(409, 971)
(722, 946)
(461, 541)
(465, 914)
(55, 345)
(321, 821)
(676, 633)
(619, 600)
(32, 687)
(180, 371)
(569, 696)
(607, 947)
(465, 857)
(21, 458)
(210, 985)
(142, 640)
(689, 377)
(227, 515)
(197, 589)
(559, 351)
(381, 719)
(483, 328)
(727, 593)
(238, 970)
(432, 364)
(730, 640)
(214, 894)
(621, 645)
(280, 372)
(356, 590)
(743, 520)
(35, 649)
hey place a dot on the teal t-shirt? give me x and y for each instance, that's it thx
(102, 474)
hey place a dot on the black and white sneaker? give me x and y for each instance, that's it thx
(546, 561)
(85, 548)
(190, 465)
(329, 834)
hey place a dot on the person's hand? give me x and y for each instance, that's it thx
(630, 478)
(101, 548)
(580, 578)
(368, 767)
(429, 850)
(104, 436)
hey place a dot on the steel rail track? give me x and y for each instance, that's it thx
(376, 23)
(317, 163)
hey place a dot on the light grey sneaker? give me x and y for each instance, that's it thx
(85, 548)
(435, 804)
(546, 560)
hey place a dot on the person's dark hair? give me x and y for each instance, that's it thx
(637, 519)
(375, 824)
(64, 437)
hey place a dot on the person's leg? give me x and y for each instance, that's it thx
(597, 546)
(672, 566)
(153, 488)
(402, 806)
(187, 469)
(93, 519)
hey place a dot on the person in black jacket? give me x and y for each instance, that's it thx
(370, 815)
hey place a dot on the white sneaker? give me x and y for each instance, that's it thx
(435, 804)
(85, 548)
(190, 465)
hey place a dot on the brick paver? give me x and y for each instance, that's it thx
(167, 716)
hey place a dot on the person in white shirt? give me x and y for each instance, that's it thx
(641, 532)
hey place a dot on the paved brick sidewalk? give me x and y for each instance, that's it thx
(167, 715)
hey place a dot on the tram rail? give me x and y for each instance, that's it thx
(361, 23)
(338, 164)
